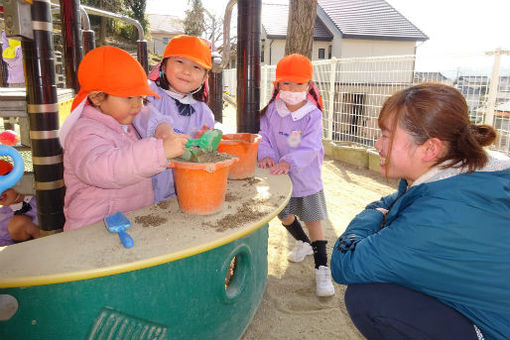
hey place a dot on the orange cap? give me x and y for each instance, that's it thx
(189, 47)
(295, 68)
(5, 167)
(113, 71)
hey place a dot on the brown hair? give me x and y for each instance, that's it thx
(434, 110)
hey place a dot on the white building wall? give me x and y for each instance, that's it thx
(374, 48)
(274, 50)
(318, 45)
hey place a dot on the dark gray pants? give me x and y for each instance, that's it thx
(392, 312)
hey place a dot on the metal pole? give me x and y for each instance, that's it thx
(89, 41)
(216, 95)
(142, 54)
(216, 87)
(263, 83)
(71, 41)
(331, 95)
(248, 65)
(42, 109)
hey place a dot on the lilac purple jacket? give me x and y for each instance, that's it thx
(164, 110)
(107, 169)
(7, 212)
(296, 141)
(15, 73)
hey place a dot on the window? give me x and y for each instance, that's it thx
(322, 53)
(165, 40)
(262, 52)
(330, 51)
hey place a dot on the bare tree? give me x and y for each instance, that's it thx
(302, 15)
(214, 30)
(194, 21)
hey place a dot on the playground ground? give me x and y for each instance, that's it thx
(289, 308)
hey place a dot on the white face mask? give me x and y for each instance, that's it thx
(293, 98)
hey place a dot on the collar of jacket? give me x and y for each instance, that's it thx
(92, 113)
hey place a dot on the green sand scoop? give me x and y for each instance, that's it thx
(208, 142)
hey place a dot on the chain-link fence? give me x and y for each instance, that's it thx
(354, 89)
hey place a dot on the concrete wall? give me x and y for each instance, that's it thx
(352, 154)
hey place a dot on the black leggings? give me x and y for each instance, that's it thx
(392, 312)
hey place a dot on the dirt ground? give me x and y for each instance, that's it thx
(289, 308)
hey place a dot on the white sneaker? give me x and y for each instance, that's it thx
(323, 284)
(300, 251)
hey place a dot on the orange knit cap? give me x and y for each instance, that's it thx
(295, 68)
(5, 167)
(189, 47)
(113, 71)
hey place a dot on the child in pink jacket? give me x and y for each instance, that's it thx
(107, 167)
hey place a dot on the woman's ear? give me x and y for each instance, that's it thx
(96, 97)
(433, 149)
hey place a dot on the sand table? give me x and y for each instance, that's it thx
(161, 233)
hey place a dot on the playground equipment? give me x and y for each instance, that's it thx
(208, 142)
(184, 278)
(201, 187)
(14, 176)
(244, 146)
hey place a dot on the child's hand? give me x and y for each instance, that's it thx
(174, 145)
(163, 131)
(201, 131)
(280, 168)
(266, 162)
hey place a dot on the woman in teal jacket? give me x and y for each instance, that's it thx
(431, 261)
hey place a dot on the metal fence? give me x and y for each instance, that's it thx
(354, 89)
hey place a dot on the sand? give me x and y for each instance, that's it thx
(290, 309)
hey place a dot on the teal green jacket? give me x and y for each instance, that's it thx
(447, 236)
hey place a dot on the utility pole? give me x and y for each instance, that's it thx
(494, 83)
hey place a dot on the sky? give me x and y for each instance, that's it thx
(460, 31)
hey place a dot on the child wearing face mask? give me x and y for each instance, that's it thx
(179, 80)
(107, 167)
(291, 130)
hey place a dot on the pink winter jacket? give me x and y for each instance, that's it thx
(106, 169)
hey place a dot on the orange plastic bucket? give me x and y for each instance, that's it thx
(201, 187)
(244, 146)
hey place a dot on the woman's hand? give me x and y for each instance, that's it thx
(384, 211)
(266, 163)
(281, 168)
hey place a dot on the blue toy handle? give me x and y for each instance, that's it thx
(9, 180)
(126, 239)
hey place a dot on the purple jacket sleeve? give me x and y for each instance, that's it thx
(148, 119)
(266, 148)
